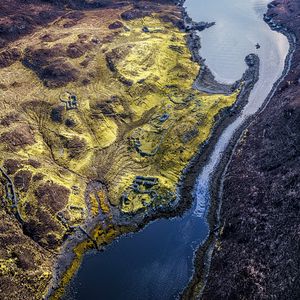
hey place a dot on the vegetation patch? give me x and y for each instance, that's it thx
(97, 115)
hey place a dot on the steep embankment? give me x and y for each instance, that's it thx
(257, 254)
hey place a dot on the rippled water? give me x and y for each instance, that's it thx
(157, 262)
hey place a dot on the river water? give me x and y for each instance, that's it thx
(157, 262)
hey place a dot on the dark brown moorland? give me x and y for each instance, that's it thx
(258, 252)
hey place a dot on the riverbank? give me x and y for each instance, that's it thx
(122, 222)
(78, 157)
(268, 266)
(108, 113)
(223, 283)
(137, 221)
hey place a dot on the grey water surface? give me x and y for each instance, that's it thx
(157, 262)
(239, 26)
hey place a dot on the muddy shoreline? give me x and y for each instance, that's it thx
(205, 251)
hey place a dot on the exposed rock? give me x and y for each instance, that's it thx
(22, 180)
(200, 26)
(176, 21)
(57, 114)
(78, 49)
(19, 137)
(57, 74)
(38, 177)
(8, 57)
(34, 163)
(53, 196)
(75, 147)
(70, 123)
(134, 14)
(116, 25)
(12, 165)
(9, 119)
(41, 228)
(189, 135)
(17, 18)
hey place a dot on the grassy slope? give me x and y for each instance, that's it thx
(126, 80)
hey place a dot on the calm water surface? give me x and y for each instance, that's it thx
(239, 26)
(157, 262)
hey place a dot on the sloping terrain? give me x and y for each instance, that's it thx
(97, 115)
(258, 252)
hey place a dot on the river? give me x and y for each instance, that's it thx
(157, 262)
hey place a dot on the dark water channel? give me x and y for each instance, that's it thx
(152, 264)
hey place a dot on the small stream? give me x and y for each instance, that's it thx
(157, 262)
